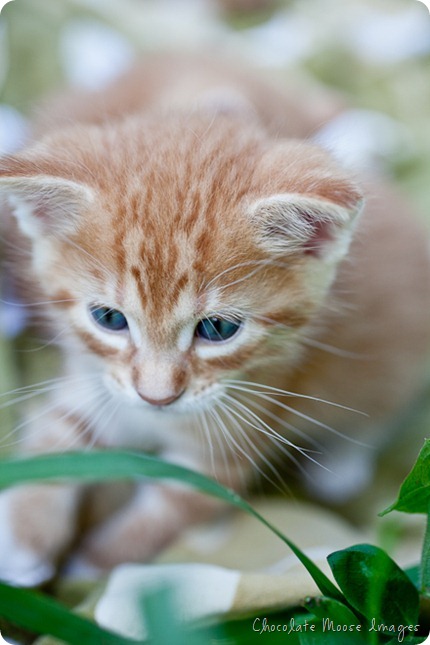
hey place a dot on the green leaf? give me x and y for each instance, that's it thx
(413, 574)
(317, 638)
(409, 640)
(43, 615)
(425, 561)
(107, 465)
(414, 495)
(336, 621)
(258, 629)
(375, 585)
(336, 638)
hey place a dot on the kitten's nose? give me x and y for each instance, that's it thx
(161, 402)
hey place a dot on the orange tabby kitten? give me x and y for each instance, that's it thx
(198, 270)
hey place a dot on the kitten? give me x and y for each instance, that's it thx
(201, 281)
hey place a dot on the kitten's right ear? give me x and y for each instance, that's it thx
(43, 204)
(307, 224)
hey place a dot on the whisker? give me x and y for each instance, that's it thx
(234, 383)
(237, 450)
(19, 250)
(311, 342)
(336, 351)
(268, 431)
(85, 420)
(51, 342)
(259, 264)
(306, 417)
(283, 423)
(98, 431)
(208, 442)
(214, 414)
(26, 397)
(26, 305)
(59, 381)
(230, 412)
(96, 262)
(282, 448)
(45, 412)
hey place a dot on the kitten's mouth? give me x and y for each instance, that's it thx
(161, 403)
(187, 402)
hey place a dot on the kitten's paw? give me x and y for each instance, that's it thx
(20, 565)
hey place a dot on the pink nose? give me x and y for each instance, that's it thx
(161, 402)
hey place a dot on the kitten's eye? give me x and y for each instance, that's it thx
(217, 329)
(108, 318)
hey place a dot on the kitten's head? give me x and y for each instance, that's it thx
(180, 255)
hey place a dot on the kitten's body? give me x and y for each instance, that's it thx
(192, 207)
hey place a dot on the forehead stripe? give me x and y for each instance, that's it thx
(135, 272)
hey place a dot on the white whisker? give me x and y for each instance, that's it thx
(258, 264)
(84, 423)
(95, 261)
(275, 438)
(234, 383)
(51, 342)
(268, 431)
(221, 425)
(26, 305)
(306, 417)
(263, 458)
(208, 443)
(282, 422)
(99, 431)
(336, 351)
(42, 387)
(45, 411)
(235, 448)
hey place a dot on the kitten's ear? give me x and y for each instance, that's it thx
(314, 226)
(45, 205)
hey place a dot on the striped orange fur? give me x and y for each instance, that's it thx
(172, 211)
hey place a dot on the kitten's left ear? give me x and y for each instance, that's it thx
(45, 205)
(307, 224)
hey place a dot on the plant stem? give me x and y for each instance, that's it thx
(425, 559)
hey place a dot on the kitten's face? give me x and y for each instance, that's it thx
(180, 257)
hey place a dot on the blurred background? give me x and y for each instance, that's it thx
(374, 54)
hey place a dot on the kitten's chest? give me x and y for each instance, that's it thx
(119, 425)
(132, 427)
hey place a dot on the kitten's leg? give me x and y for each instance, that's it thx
(157, 514)
(37, 521)
(151, 521)
(36, 525)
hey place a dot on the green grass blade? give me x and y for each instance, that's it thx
(42, 615)
(102, 466)
(323, 583)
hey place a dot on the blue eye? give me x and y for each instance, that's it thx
(217, 329)
(109, 318)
